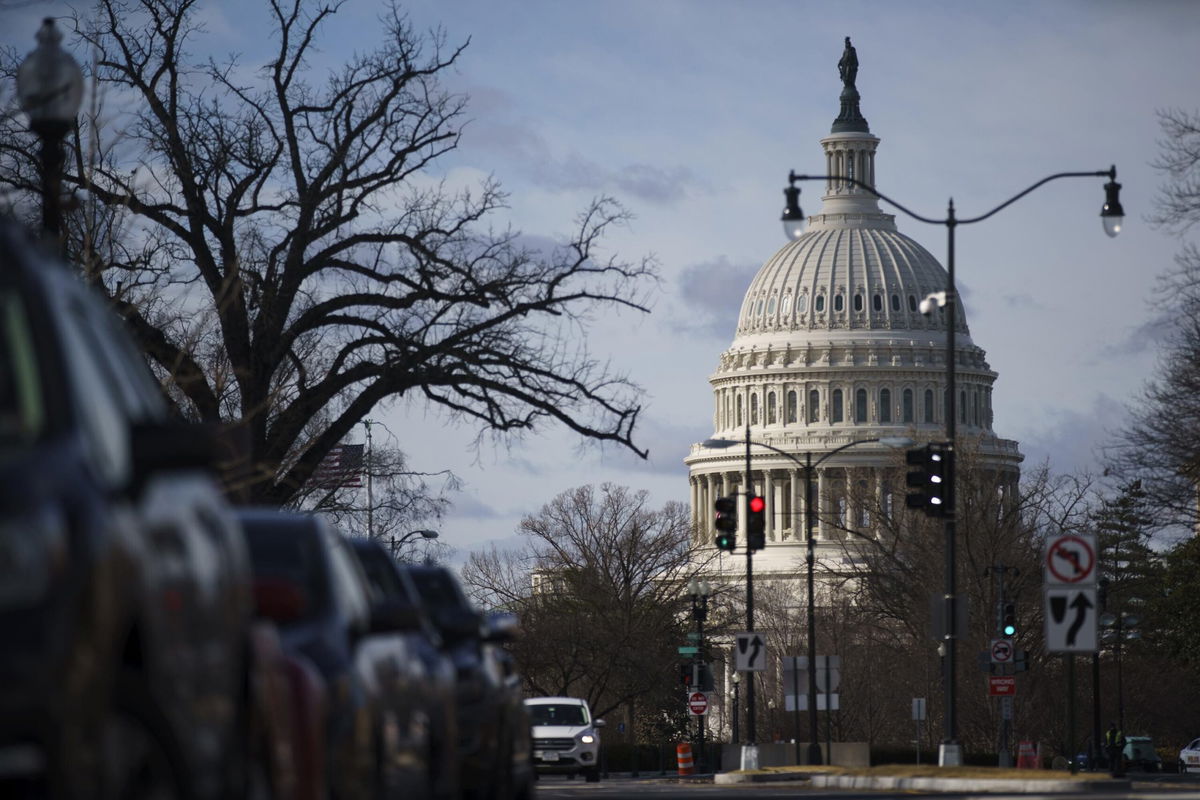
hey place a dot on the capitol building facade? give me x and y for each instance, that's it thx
(831, 348)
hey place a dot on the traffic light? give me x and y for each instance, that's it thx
(929, 480)
(756, 523)
(1008, 620)
(726, 523)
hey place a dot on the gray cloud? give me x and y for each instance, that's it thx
(711, 297)
(532, 157)
(1144, 338)
(1072, 440)
(667, 443)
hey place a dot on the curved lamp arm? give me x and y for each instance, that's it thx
(1111, 209)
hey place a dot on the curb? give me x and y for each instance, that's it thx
(927, 784)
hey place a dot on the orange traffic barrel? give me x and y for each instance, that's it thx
(683, 756)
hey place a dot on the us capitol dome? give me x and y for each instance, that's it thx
(831, 348)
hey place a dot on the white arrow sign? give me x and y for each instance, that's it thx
(750, 653)
(1071, 620)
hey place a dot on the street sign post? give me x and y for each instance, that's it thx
(697, 704)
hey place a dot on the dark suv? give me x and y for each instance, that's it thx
(495, 747)
(124, 581)
(394, 595)
(377, 726)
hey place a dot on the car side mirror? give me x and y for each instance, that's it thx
(393, 618)
(597, 723)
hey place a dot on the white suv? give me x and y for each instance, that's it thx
(566, 740)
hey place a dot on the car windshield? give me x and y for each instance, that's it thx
(441, 596)
(291, 554)
(548, 714)
(381, 576)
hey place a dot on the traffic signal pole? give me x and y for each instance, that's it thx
(751, 734)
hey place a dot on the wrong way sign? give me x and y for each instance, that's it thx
(697, 704)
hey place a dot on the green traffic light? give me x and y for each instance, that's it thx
(726, 541)
(1010, 629)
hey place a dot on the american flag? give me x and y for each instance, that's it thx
(342, 467)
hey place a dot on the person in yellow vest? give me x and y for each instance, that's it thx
(1114, 746)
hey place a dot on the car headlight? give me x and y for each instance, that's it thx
(33, 551)
(587, 738)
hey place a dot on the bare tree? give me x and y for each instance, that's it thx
(599, 589)
(288, 264)
(1159, 446)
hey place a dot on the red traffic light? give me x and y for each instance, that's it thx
(757, 505)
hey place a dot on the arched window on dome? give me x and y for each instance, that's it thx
(885, 405)
(877, 302)
(785, 305)
(802, 304)
(929, 415)
(792, 410)
(895, 302)
(753, 409)
(814, 406)
(771, 417)
(975, 406)
(835, 413)
(839, 302)
(758, 309)
(819, 304)
(739, 411)
(906, 408)
(771, 306)
(962, 406)
(858, 302)
(912, 302)
(860, 405)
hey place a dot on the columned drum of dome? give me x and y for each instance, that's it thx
(830, 348)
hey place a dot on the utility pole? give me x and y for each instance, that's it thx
(367, 423)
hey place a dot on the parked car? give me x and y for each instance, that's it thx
(1189, 756)
(394, 596)
(566, 738)
(494, 734)
(1139, 754)
(124, 581)
(308, 581)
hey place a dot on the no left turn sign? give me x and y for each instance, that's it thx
(1071, 560)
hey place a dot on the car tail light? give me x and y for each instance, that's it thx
(279, 600)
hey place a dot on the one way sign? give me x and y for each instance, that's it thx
(750, 653)
(1071, 620)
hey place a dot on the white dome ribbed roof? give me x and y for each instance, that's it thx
(880, 274)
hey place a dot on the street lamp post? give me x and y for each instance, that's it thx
(1112, 217)
(50, 90)
(396, 543)
(737, 685)
(808, 465)
(700, 592)
(1119, 628)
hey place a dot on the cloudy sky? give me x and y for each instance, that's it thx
(691, 113)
